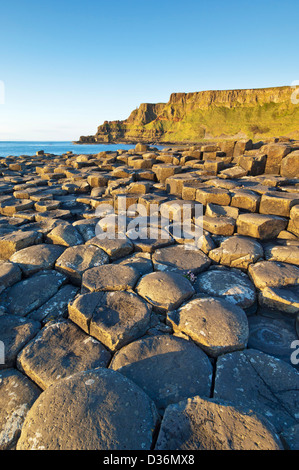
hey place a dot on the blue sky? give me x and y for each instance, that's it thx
(68, 65)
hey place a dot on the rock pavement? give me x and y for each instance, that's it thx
(149, 299)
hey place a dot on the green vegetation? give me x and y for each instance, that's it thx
(256, 122)
(227, 114)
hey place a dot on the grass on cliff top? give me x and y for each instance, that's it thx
(256, 122)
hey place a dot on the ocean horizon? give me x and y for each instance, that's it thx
(17, 148)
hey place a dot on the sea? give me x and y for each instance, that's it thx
(18, 148)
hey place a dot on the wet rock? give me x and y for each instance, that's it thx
(200, 424)
(167, 368)
(17, 395)
(215, 325)
(71, 351)
(97, 410)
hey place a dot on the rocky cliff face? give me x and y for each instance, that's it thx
(192, 117)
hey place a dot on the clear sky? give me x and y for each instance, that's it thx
(68, 65)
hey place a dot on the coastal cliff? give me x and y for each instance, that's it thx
(206, 115)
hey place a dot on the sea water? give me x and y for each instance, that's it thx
(18, 148)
